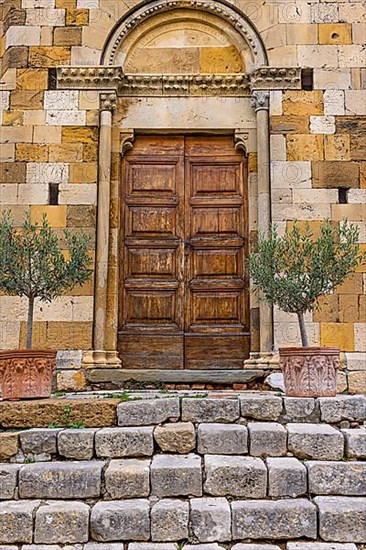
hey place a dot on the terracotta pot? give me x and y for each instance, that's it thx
(26, 373)
(310, 372)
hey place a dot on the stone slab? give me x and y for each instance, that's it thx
(320, 546)
(255, 547)
(287, 477)
(225, 439)
(343, 407)
(124, 442)
(39, 440)
(211, 519)
(76, 444)
(176, 437)
(267, 439)
(337, 478)
(16, 520)
(61, 480)
(8, 481)
(235, 476)
(61, 522)
(121, 520)
(281, 519)
(128, 478)
(261, 406)
(119, 376)
(301, 409)
(176, 475)
(148, 412)
(355, 443)
(342, 519)
(315, 441)
(169, 520)
(210, 410)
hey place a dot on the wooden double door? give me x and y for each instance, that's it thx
(184, 226)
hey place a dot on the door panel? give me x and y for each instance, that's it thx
(184, 233)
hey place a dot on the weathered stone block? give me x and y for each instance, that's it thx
(150, 546)
(281, 519)
(255, 547)
(261, 406)
(210, 410)
(173, 475)
(176, 437)
(305, 147)
(39, 440)
(121, 520)
(343, 407)
(342, 519)
(62, 522)
(301, 409)
(235, 476)
(102, 546)
(355, 443)
(61, 480)
(148, 412)
(301, 102)
(317, 441)
(267, 439)
(222, 439)
(8, 444)
(120, 442)
(209, 546)
(169, 520)
(16, 520)
(8, 481)
(77, 444)
(287, 477)
(211, 519)
(335, 174)
(46, 56)
(337, 478)
(128, 478)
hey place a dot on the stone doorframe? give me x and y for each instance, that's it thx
(114, 87)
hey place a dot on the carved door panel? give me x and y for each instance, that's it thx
(184, 225)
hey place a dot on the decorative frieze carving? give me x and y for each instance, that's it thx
(276, 78)
(229, 85)
(260, 101)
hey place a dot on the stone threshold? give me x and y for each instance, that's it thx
(225, 377)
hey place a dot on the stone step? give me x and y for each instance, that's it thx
(173, 546)
(169, 475)
(260, 439)
(151, 408)
(209, 520)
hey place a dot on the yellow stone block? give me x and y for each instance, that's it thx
(337, 147)
(77, 134)
(362, 268)
(305, 147)
(301, 33)
(338, 335)
(353, 212)
(59, 335)
(70, 380)
(92, 118)
(66, 152)
(31, 152)
(348, 308)
(252, 162)
(83, 172)
(328, 309)
(335, 33)
(8, 445)
(220, 60)
(32, 79)
(315, 226)
(77, 17)
(352, 285)
(90, 152)
(300, 102)
(56, 214)
(49, 56)
(13, 118)
(357, 382)
(2, 45)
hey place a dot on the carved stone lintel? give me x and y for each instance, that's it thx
(276, 78)
(260, 101)
(126, 140)
(108, 101)
(241, 138)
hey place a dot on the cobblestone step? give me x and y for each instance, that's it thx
(338, 519)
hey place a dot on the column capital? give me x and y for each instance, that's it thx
(108, 101)
(260, 101)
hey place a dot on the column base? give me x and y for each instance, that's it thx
(101, 359)
(262, 360)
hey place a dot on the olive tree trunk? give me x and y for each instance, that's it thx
(30, 322)
(304, 336)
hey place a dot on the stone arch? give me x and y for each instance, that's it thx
(234, 45)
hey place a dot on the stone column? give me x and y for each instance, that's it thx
(111, 326)
(260, 102)
(108, 102)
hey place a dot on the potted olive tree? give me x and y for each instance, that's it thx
(33, 265)
(293, 271)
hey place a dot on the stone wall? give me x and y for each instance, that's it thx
(251, 469)
(49, 139)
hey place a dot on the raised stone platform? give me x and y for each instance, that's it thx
(256, 471)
